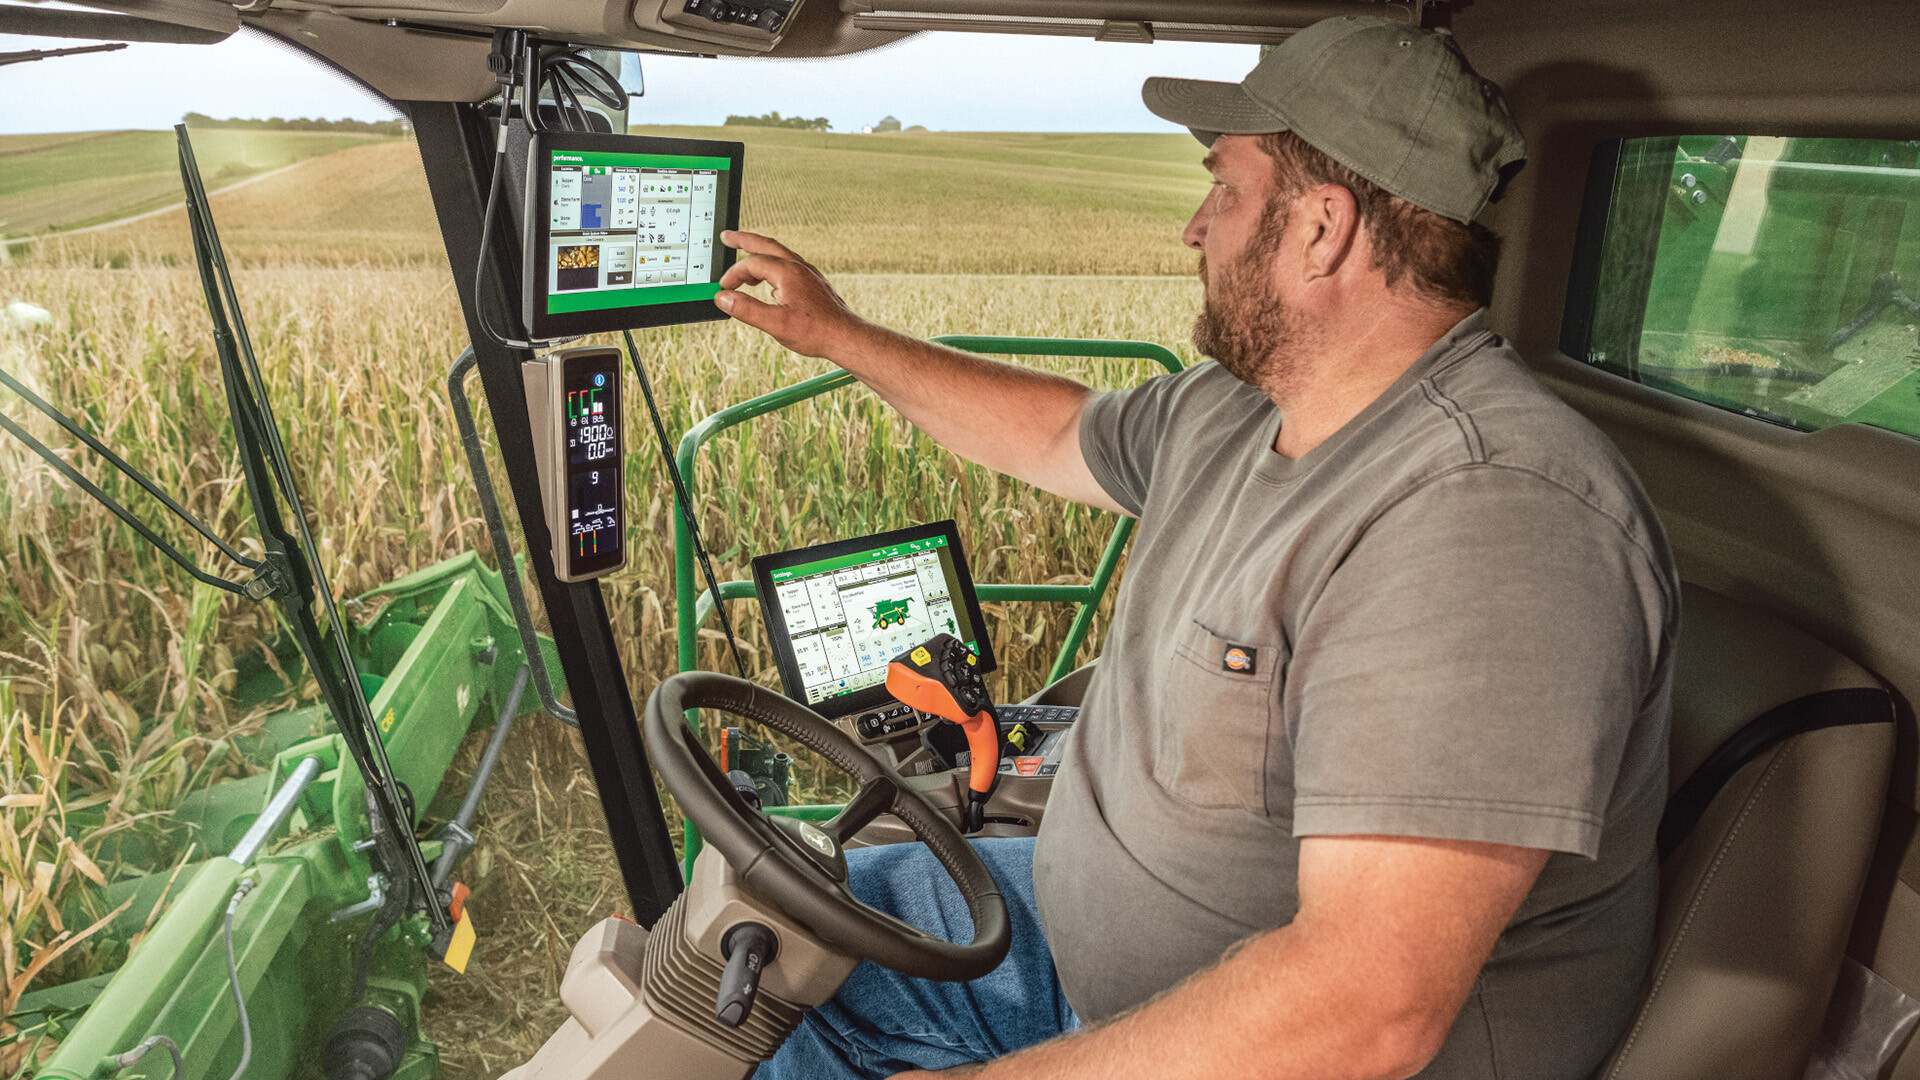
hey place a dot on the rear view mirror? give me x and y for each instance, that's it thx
(631, 80)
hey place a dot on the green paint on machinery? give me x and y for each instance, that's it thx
(1773, 276)
(438, 651)
(770, 770)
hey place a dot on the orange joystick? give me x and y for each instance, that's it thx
(942, 678)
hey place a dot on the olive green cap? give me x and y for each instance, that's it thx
(1398, 105)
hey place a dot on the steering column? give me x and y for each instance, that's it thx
(768, 927)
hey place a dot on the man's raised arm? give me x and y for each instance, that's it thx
(1012, 420)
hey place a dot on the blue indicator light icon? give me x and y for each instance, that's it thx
(599, 380)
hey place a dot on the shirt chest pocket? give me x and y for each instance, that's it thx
(1217, 710)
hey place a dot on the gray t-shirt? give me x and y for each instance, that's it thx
(1454, 618)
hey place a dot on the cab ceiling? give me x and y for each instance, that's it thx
(435, 50)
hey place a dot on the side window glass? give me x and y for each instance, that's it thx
(1777, 277)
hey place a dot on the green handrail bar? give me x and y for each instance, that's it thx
(693, 607)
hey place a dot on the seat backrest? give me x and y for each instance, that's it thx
(1780, 756)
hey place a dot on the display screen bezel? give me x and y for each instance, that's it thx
(541, 324)
(608, 363)
(870, 697)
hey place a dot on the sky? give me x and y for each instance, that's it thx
(952, 82)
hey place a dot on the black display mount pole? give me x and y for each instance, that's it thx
(457, 148)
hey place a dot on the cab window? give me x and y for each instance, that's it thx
(1777, 277)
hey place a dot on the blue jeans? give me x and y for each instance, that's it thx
(882, 1022)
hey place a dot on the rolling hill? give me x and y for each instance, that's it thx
(73, 180)
(966, 202)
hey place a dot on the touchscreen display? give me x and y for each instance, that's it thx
(629, 229)
(845, 617)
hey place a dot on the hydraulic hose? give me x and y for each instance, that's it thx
(233, 977)
(113, 1063)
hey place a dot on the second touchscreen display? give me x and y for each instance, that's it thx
(846, 617)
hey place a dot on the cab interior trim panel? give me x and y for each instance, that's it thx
(1001, 24)
(1290, 14)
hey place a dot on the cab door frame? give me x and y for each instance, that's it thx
(456, 143)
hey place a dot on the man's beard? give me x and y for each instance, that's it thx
(1243, 322)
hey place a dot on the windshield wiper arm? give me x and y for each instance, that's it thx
(266, 468)
(127, 470)
(260, 585)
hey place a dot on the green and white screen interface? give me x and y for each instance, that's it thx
(631, 229)
(847, 617)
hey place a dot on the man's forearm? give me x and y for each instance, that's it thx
(1279, 1008)
(1366, 981)
(1009, 419)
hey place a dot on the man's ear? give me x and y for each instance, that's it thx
(1330, 228)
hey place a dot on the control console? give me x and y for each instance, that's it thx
(891, 720)
(766, 15)
(1033, 750)
(884, 635)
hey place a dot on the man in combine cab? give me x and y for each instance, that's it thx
(1367, 781)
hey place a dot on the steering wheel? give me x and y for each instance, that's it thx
(803, 867)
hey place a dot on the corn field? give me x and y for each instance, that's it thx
(115, 668)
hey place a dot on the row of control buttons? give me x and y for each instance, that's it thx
(1037, 714)
(766, 18)
(889, 721)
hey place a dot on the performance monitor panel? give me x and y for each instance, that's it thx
(838, 613)
(574, 407)
(591, 404)
(624, 231)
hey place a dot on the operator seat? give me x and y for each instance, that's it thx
(1780, 757)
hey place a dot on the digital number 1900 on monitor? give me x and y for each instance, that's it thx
(574, 403)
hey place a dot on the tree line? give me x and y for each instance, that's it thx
(347, 127)
(775, 120)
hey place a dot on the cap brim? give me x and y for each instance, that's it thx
(1208, 109)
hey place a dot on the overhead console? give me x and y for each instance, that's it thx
(753, 26)
(711, 27)
(1258, 22)
(752, 22)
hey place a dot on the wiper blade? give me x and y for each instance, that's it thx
(31, 55)
(268, 472)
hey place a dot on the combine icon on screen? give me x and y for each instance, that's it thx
(891, 612)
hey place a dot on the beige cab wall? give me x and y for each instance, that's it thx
(1821, 529)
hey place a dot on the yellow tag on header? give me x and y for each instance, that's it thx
(922, 656)
(460, 949)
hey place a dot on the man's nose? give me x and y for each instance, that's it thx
(1195, 234)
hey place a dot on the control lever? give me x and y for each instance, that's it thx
(749, 948)
(942, 677)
